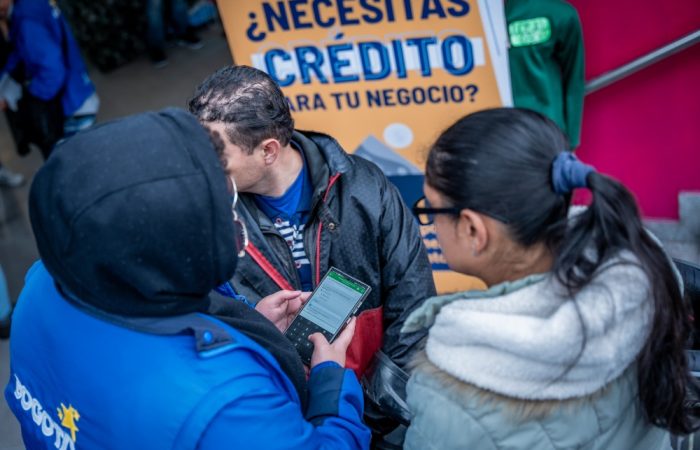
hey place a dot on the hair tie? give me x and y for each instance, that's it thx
(568, 173)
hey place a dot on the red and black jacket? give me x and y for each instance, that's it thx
(359, 224)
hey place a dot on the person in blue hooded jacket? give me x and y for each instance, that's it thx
(115, 342)
(57, 97)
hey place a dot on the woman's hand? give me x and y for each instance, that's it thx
(281, 307)
(323, 351)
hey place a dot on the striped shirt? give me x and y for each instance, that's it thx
(289, 214)
(293, 234)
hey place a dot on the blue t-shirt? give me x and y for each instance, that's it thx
(289, 214)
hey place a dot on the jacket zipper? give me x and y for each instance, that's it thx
(331, 182)
(290, 259)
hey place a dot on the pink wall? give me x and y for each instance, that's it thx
(645, 129)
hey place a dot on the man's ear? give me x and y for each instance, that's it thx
(271, 150)
(471, 227)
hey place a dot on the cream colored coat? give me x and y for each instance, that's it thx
(507, 368)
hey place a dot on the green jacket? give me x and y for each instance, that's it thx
(547, 61)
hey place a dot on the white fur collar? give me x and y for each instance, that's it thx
(525, 340)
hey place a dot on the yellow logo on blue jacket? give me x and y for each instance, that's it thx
(43, 420)
(68, 418)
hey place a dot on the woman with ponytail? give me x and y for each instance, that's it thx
(578, 341)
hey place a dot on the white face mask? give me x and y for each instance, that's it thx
(240, 229)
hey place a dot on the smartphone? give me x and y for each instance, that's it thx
(336, 298)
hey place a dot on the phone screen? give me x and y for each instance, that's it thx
(336, 298)
(333, 300)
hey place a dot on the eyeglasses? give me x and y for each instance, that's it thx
(426, 215)
(241, 232)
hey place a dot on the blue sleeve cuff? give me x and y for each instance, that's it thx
(317, 367)
(242, 299)
(227, 291)
(326, 389)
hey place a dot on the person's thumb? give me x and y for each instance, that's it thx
(343, 340)
(282, 296)
(318, 339)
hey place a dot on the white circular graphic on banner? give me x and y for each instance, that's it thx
(398, 135)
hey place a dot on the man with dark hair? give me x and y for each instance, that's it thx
(309, 206)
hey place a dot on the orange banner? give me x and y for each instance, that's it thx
(384, 77)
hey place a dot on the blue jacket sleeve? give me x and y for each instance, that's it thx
(43, 59)
(266, 417)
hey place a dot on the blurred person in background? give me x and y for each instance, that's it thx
(546, 59)
(44, 78)
(114, 343)
(8, 178)
(157, 25)
(579, 340)
(5, 307)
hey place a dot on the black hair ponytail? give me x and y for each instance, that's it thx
(499, 162)
(611, 224)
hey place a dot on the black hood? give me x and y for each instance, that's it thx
(133, 216)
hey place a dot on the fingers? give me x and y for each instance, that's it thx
(319, 340)
(344, 338)
(288, 295)
(279, 297)
(323, 351)
(293, 306)
(296, 303)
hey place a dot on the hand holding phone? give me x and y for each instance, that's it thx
(336, 298)
(281, 307)
(323, 351)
